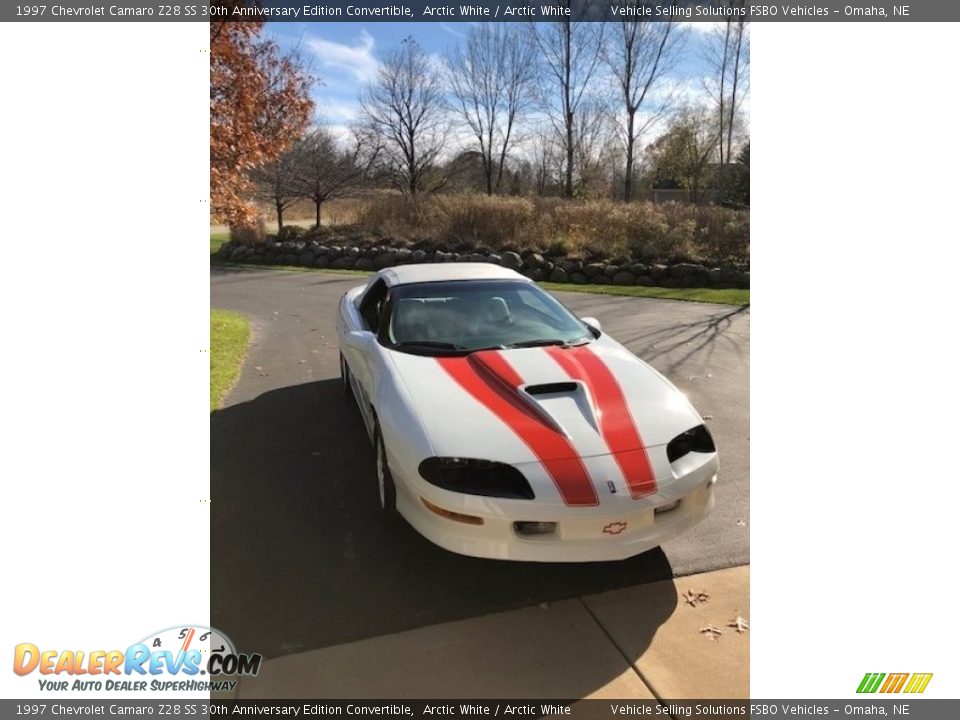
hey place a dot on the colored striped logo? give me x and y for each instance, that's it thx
(894, 682)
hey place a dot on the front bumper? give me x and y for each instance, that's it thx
(595, 535)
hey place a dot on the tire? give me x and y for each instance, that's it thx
(386, 490)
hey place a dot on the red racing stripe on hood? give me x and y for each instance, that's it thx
(616, 423)
(490, 380)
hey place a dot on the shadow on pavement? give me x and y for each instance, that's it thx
(301, 559)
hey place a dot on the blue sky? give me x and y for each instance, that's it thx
(344, 56)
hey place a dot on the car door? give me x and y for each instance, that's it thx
(364, 354)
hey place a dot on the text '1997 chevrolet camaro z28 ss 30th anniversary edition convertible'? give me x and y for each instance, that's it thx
(506, 427)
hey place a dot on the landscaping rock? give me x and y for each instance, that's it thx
(600, 280)
(558, 275)
(579, 278)
(402, 255)
(534, 260)
(418, 256)
(365, 263)
(624, 278)
(494, 258)
(307, 258)
(638, 269)
(645, 280)
(572, 266)
(322, 261)
(511, 260)
(536, 274)
(593, 270)
(689, 275)
(611, 270)
(382, 261)
(724, 277)
(658, 271)
(345, 263)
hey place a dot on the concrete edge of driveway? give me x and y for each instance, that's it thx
(669, 640)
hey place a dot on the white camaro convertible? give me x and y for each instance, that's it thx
(506, 427)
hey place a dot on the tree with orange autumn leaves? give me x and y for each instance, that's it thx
(259, 105)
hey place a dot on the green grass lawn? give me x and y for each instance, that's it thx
(217, 239)
(707, 295)
(229, 334)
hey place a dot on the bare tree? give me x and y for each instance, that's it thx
(570, 51)
(727, 54)
(683, 155)
(490, 78)
(275, 183)
(594, 146)
(639, 55)
(324, 171)
(405, 106)
(545, 162)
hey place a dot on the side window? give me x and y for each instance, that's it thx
(371, 307)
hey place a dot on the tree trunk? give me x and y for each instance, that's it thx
(733, 92)
(568, 182)
(318, 203)
(628, 173)
(279, 204)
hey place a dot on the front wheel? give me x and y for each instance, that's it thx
(387, 490)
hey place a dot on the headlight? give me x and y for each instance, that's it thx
(476, 477)
(696, 439)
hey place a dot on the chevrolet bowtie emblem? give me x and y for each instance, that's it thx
(615, 528)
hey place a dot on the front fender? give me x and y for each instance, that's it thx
(404, 437)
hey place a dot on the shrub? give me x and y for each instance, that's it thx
(291, 232)
(248, 235)
(599, 229)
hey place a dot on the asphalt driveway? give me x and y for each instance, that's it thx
(300, 556)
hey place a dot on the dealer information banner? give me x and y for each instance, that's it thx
(479, 11)
(932, 709)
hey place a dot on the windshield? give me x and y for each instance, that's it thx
(468, 315)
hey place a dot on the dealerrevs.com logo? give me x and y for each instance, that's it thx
(894, 682)
(181, 659)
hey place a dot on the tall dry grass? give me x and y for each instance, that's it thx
(589, 228)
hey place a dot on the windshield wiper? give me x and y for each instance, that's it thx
(428, 344)
(545, 343)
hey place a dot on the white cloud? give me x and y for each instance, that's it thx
(331, 109)
(703, 26)
(357, 59)
(450, 29)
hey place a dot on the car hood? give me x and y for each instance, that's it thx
(496, 404)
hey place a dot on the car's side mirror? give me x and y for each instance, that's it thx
(592, 322)
(358, 339)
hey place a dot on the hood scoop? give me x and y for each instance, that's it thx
(491, 365)
(551, 388)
